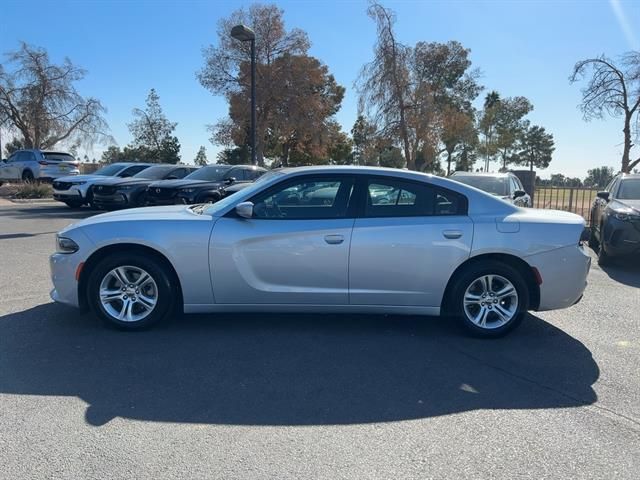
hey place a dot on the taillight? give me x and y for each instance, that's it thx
(42, 162)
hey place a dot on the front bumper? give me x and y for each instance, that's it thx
(621, 238)
(63, 269)
(564, 276)
(119, 199)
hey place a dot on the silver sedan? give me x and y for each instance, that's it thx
(327, 239)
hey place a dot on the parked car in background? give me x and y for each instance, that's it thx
(29, 165)
(321, 239)
(204, 186)
(504, 185)
(615, 219)
(112, 193)
(77, 190)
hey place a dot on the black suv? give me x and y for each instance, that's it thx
(112, 193)
(207, 185)
(615, 218)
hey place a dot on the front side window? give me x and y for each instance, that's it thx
(400, 198)
(311, 198)
(629, 189)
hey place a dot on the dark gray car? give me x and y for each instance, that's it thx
(615, 219)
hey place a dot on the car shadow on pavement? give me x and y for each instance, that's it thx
(625, 271)
(289, 369)
(45, 212)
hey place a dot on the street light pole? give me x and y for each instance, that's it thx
(254, 160)
(245, 34)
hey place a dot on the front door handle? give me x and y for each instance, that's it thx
(452, 234)
(334, 239)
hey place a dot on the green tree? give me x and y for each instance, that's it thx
(112, 154)
(536, 148)
(510, 126)
(487, 127)
(458, 135)
(234, 156)
(14, 145)
(153, 133)
(363, 134)
(613, 90)
(39, 100)
(599, 177)
(392, 157)
(201, 157)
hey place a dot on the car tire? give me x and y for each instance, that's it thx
(603, 257)
(482, 309)
(593, 241)
(143, 303)
(27, 176)
(211, 199)
(74, 204)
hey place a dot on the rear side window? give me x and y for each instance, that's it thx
(390, 197)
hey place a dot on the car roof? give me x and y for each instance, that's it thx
(482, 174)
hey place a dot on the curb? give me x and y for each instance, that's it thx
(31, 200)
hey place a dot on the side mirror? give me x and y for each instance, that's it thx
(229, 180)
(603, 195)
(245, 209)
(519, 193)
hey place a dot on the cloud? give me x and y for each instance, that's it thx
(624, 24)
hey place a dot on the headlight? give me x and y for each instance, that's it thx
(78, 183)
(187, 190)
(625, 215)
(66, 245)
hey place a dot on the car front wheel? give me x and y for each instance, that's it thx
(490, 299)
(130, 292)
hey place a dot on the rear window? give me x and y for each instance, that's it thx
(61, 157)
(493, 185)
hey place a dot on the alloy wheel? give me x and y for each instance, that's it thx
(490, 301)
(128, 293)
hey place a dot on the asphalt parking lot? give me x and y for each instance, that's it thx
(290, 396)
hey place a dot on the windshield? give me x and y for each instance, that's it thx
(231, 199)
(210, 174)
(155, 173)
(109, 170)
(629, 189)
(493, 185)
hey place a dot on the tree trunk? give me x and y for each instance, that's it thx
(627, 143)
(448, 163)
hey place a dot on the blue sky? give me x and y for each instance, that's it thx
(522, 47)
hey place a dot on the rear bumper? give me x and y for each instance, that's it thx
(564, 276)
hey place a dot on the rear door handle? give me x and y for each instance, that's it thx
(334, 239)
(452, 234)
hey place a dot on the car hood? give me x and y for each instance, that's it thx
(634, 204)
(80, 178)
(171, 212)
(117, 181)
(184, 183)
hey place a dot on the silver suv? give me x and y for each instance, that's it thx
(29, 165)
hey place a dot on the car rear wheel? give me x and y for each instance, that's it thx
(131, 292)
(490, 299)
(27, 176)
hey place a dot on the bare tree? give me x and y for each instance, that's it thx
(39, 101)
(384, 82)
(613, 90)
